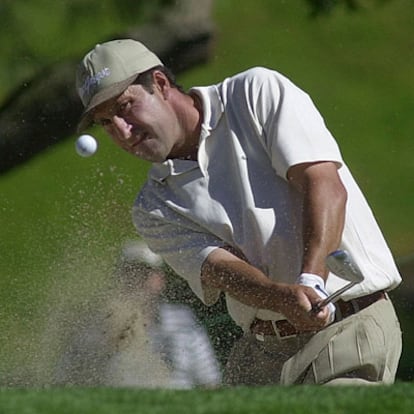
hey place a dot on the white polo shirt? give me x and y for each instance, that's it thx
(256, 125)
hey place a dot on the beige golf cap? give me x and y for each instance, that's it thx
(107, 70)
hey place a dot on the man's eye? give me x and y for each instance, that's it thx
(123, 107)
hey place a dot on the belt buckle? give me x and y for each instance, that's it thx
(279, 337)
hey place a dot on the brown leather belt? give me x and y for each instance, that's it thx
(284, 328)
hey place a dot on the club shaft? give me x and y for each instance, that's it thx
(336, 294)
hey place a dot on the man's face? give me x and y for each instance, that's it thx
(142, 123)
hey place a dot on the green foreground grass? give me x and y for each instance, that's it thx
(304, 399)
(63, 218)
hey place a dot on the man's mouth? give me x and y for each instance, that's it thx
(139, 138)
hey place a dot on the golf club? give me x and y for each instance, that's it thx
(341, 264)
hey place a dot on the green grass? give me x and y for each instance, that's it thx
(63, 218)
(292, 400)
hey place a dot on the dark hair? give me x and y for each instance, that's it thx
(146, 81)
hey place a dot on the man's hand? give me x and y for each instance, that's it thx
(297, 307)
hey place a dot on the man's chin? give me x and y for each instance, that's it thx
(150, 157)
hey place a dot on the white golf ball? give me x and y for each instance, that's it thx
(86, 145)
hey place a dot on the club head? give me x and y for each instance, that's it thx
(341, 264)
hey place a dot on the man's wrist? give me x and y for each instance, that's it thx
(310, 279)
(318, 284)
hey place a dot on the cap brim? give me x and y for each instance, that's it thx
(102, 96)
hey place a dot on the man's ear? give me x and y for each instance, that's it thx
(161, 82)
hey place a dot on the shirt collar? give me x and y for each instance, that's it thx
(213, 109)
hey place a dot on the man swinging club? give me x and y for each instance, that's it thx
(248, 193)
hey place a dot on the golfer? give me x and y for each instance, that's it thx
(248, 193)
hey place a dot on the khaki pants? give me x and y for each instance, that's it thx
(364, 348)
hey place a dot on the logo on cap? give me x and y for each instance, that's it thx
(91, 83)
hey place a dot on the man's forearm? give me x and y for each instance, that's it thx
(324, 202)
(228, 273)
(323, 223)
(224, 271)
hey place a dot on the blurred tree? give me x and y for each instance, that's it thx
(37, 33)
(320, 7)
(46, 109)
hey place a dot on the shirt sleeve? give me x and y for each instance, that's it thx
(174, 234)
(293, 130)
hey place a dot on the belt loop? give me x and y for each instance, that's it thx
(275, 329)
(338, 314)
(355, 305)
